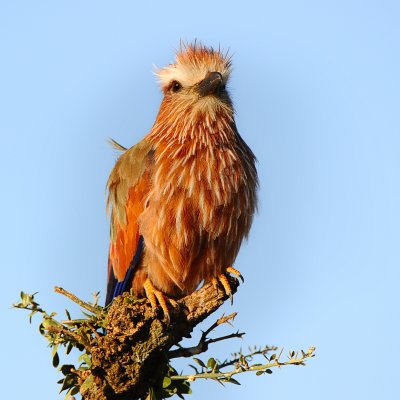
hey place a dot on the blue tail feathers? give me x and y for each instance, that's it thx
(115, 288)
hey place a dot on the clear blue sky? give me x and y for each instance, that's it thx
(316, 89)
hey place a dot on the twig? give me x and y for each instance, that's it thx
(239, 369)
(74, 322)
(250, 355)
(76, 300)
(67, 332)
(202, 346)
(232, 335)
(93, 329)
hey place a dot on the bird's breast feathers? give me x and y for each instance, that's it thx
(198, 210)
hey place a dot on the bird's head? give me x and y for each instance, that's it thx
(195, 85)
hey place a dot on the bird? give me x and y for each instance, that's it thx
(183, 198)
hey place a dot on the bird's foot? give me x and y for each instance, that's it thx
(223, 280)
(156, 297)
(235, 272)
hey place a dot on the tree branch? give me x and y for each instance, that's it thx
(76, 300)
(202, 346)
(243, 367)
(126, 347)
(249, 356)
(133, 356)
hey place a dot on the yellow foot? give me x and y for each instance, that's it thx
(222, 278)
(155, 296)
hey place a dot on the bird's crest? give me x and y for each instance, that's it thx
(193, 62)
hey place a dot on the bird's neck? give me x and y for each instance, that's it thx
(193, 128)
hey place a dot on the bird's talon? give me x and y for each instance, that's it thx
(227, 287)
(235, 272)
(155, 296)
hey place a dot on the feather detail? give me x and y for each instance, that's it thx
(116, 145)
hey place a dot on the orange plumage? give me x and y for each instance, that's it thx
(184, 197)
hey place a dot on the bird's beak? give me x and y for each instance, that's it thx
(211, 84)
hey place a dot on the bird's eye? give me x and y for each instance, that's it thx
(176, 86)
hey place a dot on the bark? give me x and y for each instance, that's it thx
(132, 357)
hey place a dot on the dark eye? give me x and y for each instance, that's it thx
(176, 86)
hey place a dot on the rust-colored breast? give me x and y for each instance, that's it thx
(200, 208)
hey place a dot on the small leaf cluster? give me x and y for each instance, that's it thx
(169, 387)
(210, 370)
(80, 334)
(215, 370)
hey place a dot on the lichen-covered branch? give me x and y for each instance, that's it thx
(126, 347)
(133, 356)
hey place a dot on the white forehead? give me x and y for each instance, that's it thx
(192, 66)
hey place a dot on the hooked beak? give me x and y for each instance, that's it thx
(211, 84)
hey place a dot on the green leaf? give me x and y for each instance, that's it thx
(85, 359)
(25, 299)
(268, 371)
(69, 381)
(234, 381)
(68, 314)
(49, 322)
(74, 391)
(195, 369)
(69, 348)
(56, 360)
(198, 361)
(71, 392)
(258, 373)
(184, 388)
(166, 382)
(211, 363)
(87, 314)
(87, 384)
(66, 369)
(80, 347)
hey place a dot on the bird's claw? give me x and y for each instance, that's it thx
(225, 284)
(156, 298)
(235, 272)
(222, 278)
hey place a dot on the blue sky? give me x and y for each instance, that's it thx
(316, 90)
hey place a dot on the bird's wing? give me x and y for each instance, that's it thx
(128, 186)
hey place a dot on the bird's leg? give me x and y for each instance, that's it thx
(155, 296)
(222, 278)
